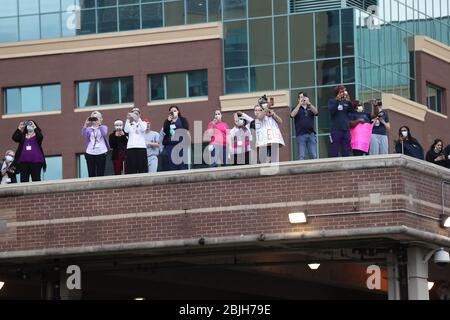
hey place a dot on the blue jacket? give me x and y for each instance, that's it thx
(340, 119)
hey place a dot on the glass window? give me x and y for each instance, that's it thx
(348, 45)
(82, 171)
(31, 99)
(214, 10)
(87, 93)
(279, 6)
(29, 28)
(302, 37)
(126, 90)
(235, 43)
(129, 18)
(87, 4)
(174, 13)
(176, 85)
(128, 1)
(327, 34)
(434, 97)
(328, 72)
(107, 20)
(88, 22)
(152, 15)
(302, 75)
(261, 78)
(234, 9)
(236, 80)
(9, 9)
(109, 91)
(28, 7)
(198, 83)
(9, 30)
(51, 97)
(323, 95)
(50, 6)
(68, 24)
(106, 3)
(261, 49)
(348, 70)
(281, 39)
(54, 168)
(157, 87)
(12, 103)
(281, 76)
(196, 11)
(259, 8)
(50, 25)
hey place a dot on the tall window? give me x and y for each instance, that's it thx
(434, 97)
(33, 99)
(104, 92)
(178, 85)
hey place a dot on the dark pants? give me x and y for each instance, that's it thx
(359, 153)
(28, 169)
(218, 156)
(118, 163)
(136, 161)
(241, 159)
(96, 165)
(171, 166)
(340, 141)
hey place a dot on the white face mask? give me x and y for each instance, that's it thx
(30, 129)
(404, 134)
(118, 128)
(175, 114)
(9, 158)
(265, 105)
(240, 122)
(218, 116)
(360, 109)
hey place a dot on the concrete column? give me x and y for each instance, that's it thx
(393, 280)
(417, 274)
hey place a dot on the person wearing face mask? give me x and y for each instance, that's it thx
(176, 132)
(97, 145)
(381, 126)
(30, 159)
(136, 154)
(436, 154)
(118, 140)
(152, 141)
(8, 170)
(267, 132)
(408, 145)
(239, 140)
(217, 134)
(360, 130)
(340, 109)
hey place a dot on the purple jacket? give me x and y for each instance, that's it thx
(86, 132)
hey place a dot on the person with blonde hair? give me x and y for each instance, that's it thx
(96, 135)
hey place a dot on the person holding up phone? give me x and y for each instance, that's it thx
(176, 158)
(97, 145)
(136, 154)
(304, 114)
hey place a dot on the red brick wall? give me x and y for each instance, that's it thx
(330, 186)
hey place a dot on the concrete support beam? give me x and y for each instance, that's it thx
(417, 274)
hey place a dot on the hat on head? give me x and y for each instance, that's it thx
(356, 104)
(339, 88)
(136, 109)
(146, 120)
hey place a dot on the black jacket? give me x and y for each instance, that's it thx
(117, 144)
(431, 155)
(166, 129)
(410, 148)
(19, 137)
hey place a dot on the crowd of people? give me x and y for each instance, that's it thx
(136, 148)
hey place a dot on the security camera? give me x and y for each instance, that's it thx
(441, 257)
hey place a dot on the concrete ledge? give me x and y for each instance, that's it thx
(404, 106)
(227, 173)
(397, 233)
(430, 46)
